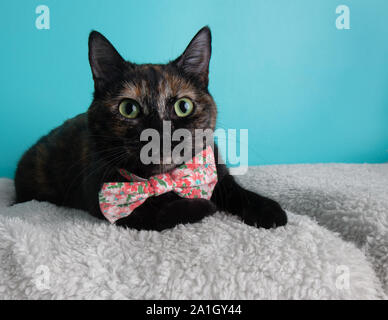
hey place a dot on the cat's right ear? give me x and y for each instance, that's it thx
(105, 62)
(196, 58)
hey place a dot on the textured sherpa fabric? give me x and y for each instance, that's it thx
(48, 252)
(349, 199)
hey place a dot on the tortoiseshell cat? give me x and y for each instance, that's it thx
(69, 165)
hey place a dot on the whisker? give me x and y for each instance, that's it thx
(108, 158)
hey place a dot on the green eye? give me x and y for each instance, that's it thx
(129, 108)
(183, 107)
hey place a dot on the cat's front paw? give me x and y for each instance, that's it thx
(262, 212)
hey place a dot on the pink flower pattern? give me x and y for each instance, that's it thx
(194, 179)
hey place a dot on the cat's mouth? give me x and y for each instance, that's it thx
(159, 165)
(167, 167)
(147, 171)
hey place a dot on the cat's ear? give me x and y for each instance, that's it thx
(195, 59)
(105, 61)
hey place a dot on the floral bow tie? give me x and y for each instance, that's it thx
(194, 179)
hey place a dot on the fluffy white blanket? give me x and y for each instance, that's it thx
(335, 247)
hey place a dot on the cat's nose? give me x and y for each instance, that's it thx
(154, 121)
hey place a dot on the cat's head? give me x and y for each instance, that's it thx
(130, 98)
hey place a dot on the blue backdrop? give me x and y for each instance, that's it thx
(306, 91)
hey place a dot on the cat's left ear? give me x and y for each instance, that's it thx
(195, 59)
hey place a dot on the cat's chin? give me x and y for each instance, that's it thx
(147, 171)
(142, 170)
(164, 168)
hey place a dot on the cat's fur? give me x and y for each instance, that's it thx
(69, 165)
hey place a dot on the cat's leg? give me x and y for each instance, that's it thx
(253, 209)
(167, 211)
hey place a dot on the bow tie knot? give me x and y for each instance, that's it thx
(154, 186)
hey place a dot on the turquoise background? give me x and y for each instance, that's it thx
(306, 91)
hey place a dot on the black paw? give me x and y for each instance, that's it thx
(262, 212)
(186, 211)
(167, 211)
(191, 208)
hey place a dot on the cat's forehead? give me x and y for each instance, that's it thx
(157, 81)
